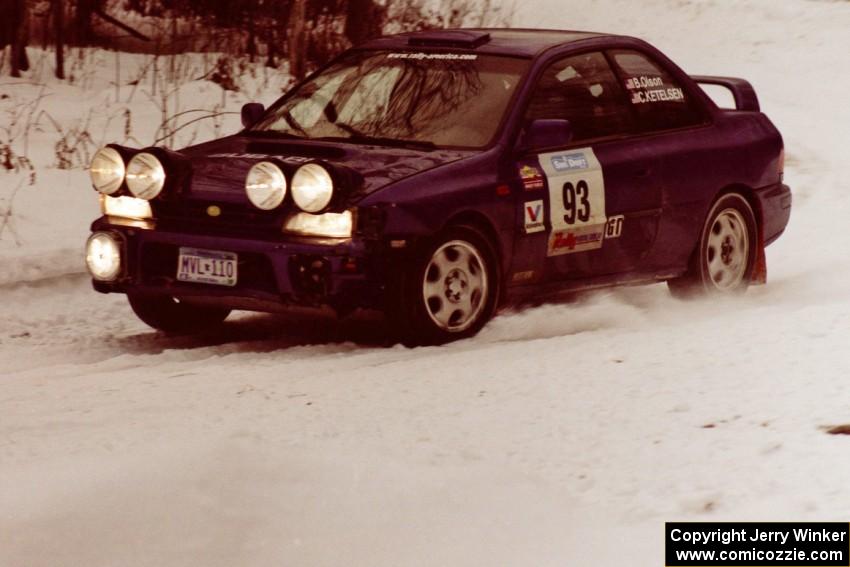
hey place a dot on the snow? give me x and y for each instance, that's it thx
(565, 434)
(109, 98)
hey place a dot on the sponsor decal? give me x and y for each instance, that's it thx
(531, 177)
(533, 211)
(569, 162)
(523, 276)
(438, 56)
(614, 227)
(576, 207)
(287, 159)
(579, 240)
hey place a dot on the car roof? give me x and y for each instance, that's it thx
(502, 41)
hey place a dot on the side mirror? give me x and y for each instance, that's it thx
(251, 112)
(546, 133)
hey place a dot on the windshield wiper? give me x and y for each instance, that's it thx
(359, 137)
(294, 123)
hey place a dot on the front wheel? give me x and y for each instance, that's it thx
(726, 254)
(449, 292)
(172, 316)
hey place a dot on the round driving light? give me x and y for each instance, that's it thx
(312, 188)
(265, 185)
(145, 176)
(103, 256)
(107, 170)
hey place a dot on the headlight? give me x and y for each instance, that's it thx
(312, 188)
(330, 225)
(145, 176)
(103, 256)
(107, 170)
(127, 207)
(265, 185)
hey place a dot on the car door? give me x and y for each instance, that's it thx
(591, 207)
(672, 125)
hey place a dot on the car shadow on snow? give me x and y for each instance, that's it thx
(266, 332)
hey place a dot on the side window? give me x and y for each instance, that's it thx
(659, 100)
(583, 90)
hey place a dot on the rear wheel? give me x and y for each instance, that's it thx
(449, 291)
(726, 254)
(172, 316)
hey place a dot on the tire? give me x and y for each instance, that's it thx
(165, 313)
(727, 251)
(447, 291)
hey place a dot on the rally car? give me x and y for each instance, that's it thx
(440, 175)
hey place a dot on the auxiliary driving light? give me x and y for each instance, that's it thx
(265, 185)
(107, 170)
(145, 176)
(103, 256)
(312, 188)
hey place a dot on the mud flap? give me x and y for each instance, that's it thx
(759, 275)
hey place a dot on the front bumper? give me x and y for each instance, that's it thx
(272, 274)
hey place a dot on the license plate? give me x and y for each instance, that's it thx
(206, 266)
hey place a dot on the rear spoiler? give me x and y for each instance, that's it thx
(743, 91)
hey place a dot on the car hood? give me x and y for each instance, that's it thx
(219, 167)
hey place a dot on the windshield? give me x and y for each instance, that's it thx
(398, 98)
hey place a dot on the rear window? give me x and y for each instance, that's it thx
(659, 101)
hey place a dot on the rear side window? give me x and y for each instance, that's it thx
(582, 89)
(659, 101)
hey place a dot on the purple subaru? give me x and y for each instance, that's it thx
(437, 176)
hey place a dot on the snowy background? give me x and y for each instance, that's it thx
(561, 435)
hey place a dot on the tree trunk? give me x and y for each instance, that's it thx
(20, 32)
(359, 21)
(58, 22)
(297, 36)
(83, 31)
(7, 27)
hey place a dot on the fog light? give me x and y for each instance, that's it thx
(103, 256)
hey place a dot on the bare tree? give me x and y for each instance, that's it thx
(58, 23)
(83, 29)
(362, 21)
(297, 39)
(15, 32)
